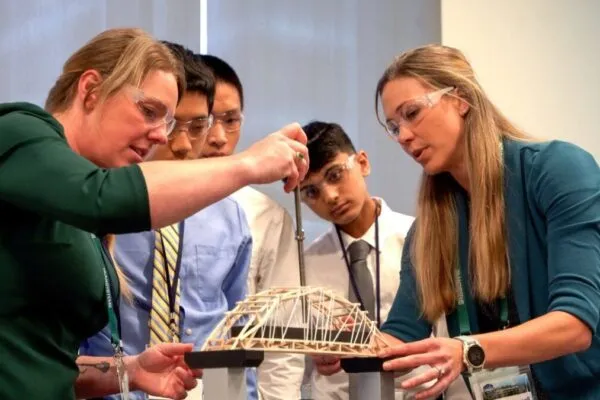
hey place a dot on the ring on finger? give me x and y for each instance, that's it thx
(300, 156)
(441, 371)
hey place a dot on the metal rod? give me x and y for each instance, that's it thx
(299, 236)
(300, 241)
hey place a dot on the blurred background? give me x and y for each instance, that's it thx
(314, 59)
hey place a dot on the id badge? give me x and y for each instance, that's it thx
(511, 383)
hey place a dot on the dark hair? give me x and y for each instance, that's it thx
(199, 78)
(325, 141)
(223, 72)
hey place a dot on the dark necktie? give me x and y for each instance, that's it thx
(358, 252)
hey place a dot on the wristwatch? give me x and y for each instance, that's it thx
(473, 354)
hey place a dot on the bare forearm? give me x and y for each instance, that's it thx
(97, 376)
(549, 336)
(178, 189)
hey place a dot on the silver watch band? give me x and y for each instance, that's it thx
(469, 342)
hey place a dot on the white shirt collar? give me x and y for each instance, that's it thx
(369, 235)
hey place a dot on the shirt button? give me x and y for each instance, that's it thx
(188, 331)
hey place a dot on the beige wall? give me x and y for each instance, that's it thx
(539, 60)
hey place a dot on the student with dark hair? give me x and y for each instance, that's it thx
(228, 111)
(183, 277)
(223, 73)
(274, 251)
(199, 79)
(359, 256)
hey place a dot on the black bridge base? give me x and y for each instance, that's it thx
(238, 358)
(362, 364)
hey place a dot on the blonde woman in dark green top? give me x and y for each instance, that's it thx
(74, 173)
(505, 246)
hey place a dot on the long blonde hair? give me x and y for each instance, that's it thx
(121, 56)
(434, 252)
(123, 283)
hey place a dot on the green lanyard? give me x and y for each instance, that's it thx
(113, 324)
(463, 314)
(113, 320)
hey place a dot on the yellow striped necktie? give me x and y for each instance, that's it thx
(164, 315)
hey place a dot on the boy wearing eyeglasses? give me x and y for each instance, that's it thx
(359, 256)
(183, 278)
(274, 260)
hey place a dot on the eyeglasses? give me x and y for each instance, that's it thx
(195, 128)
(231, 121)
(412, 111)
(155, 112)
(334, 175)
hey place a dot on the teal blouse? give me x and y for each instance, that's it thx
(552, 196)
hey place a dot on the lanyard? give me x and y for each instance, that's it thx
(113, 319)
(172, 286)
(114, 322)
(377, 264)
(463, 315)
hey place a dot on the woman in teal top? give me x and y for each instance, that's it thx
(506, 243)
(73, 174)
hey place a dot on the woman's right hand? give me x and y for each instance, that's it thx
(161, 370)
(327, 365)
(281, 155)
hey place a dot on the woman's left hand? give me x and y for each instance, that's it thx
(443, 355)
(162, 371)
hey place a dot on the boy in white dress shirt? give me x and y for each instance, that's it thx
(335, 189)
(362, 227)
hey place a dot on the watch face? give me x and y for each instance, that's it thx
(476, 356)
